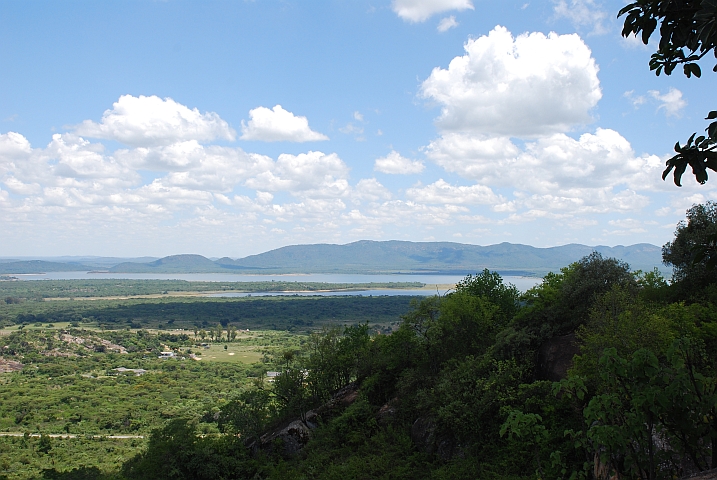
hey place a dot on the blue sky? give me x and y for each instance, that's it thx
(228, 128)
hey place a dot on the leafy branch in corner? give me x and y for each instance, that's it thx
(688, 32)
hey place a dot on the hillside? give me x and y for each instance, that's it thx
(402, 257)
(171, 264)
(40, 266)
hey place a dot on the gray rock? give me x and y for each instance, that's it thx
(555, 357)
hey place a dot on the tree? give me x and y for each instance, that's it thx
(692, 272)
(490, 285)
(562, 302)
(654, 417)
(231, 333)
(688, 32)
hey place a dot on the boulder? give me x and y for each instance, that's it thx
(425, 436)
(555, 357)
(289, 438)
(286, 441)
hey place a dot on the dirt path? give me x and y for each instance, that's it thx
(69, 435)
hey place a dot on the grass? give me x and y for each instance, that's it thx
(234, 353)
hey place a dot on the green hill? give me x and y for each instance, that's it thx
(40, 266)
(369, 257)
(171, 264)
(436, 257)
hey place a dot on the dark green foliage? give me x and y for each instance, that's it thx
(490, 286)
(177, 451)
(249, 414)
(647, 404)
(335, 359)
(692, 274)
(83, 473)
(562, 302)
(279, 313)
(118, 287)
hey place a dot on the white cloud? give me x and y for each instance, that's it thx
(13, 146)
(79, 159)
(311, 174)
(671, 101)
(441, 192)
(350, 128)
(191, 165)
(447, 23)
(150, 121)
(525, 86)
(472, 156)
(18, 187)
(371, 189)
(582, 13)
(394, 163)
(358, 116)
(264, 197)
(421, 10)
(596, 173)
(278, 125)
(636, 101)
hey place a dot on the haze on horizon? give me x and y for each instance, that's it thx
(229, 129)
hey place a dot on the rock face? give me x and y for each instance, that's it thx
(555, 357)
(425, 436)
(706, 475)
(288, 439)
(7, 366)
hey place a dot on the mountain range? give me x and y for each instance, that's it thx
(363, 257)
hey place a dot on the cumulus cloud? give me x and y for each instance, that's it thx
(13, 146)
(525, 86)
(596, 173)
(671, 102)
(20, 188)
(191, 165)
(394, 163)
(151, 121)
(421, 10)
(278, 125)
(441, 192)
(447, 23)
(371, 189)
(556, 162)
(313, 174)
(582, 13)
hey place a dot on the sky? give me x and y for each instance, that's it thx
(229, 128)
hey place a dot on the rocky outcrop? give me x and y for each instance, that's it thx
(706, 475)
(7, 366)
(289, 438)
(387, 413)
(286, 441)
(555, 357)
(425, 436)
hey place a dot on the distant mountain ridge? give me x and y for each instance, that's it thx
(40, 266)
(375, 257)
(435, 257)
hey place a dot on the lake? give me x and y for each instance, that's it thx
(521, 283)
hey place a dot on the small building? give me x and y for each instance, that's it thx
(167, 355)
(137, 371)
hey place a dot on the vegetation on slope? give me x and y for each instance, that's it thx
(459, 390)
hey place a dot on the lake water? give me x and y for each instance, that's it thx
(522, 283)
